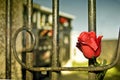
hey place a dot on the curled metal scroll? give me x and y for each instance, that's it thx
(98, 68)
(23, 49)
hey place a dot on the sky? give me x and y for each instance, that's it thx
(107, 15)
(107, 18)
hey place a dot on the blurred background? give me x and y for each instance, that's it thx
(73, 19)
(108, 23)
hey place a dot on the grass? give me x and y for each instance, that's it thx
(79, 64)
(111, 74)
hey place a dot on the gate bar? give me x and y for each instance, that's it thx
(98, 68)
(55, 8)
(92, 15)
(8, 39)
(29, 55)
(54, 59)
(91, 27)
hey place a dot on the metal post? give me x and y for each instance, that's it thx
(8, 39)
(54, 75)
(91, 27)
(92, 15)
(29, 55)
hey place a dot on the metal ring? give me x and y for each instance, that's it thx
(27, 50)
(98, 68)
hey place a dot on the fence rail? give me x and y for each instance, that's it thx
(55, 67)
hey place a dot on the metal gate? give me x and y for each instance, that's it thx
(55, 68)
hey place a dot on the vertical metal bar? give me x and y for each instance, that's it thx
(92, 15)
(55, 8)
(29, 55)
(91, 27)
(8, 39)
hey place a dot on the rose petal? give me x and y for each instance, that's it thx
(92, 40)
(88, 38)
(87, 51)
(92, 34)
(92, 43)
(83, 36)
(89, 44)
(99, 40)
(78, 46)
(98, 51)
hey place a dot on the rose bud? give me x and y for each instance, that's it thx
(89, 44)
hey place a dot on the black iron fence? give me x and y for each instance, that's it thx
(55, 68)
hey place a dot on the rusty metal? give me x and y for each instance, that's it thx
(98, 68)
(55, 69)
(8, 39)
(54, 59)
(29, 55)
(28, 30)
(92, 15)
(91, 27)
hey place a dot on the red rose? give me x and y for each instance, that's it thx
(89, 44)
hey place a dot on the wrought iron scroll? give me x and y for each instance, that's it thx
(54, 67)
(98, 68)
